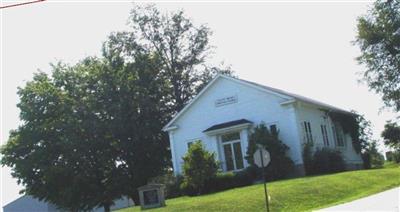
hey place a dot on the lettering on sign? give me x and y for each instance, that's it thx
(226, 101)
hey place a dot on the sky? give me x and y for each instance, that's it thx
(304, 47)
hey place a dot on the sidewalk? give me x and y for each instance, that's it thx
(385, 201)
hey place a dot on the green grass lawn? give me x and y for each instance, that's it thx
(301, 194)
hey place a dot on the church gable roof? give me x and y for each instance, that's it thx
(278, 92)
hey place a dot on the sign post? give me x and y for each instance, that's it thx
(262, 158)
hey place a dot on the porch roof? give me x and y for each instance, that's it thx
(228, 124)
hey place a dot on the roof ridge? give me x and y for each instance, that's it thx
(295, 96)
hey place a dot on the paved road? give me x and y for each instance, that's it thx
(385, 201)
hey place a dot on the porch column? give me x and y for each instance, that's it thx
(244, 142)
(218, 153)
(171, 144)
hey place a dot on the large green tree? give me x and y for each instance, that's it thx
(391, 135)
(141, 97)
(379, 40)
(97, 125)
(61, 153)
(90, 134)
(371, 156)
(364, 132)
(368, 146)
(180, 71)
(182, 47)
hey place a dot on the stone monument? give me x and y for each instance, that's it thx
(151, 196)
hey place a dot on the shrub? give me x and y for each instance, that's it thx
(220, 182)
(389, 156)
(172, 184)
(253, 172)
(228, 180)
(244, 178)
(366, 160)
(281, 165)
(371, 156)
(199, 166)
(327, 160)
(396, 156)
(393, 156)
(377, 160)
(308, 157)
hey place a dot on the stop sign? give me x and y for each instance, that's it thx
(261, 157)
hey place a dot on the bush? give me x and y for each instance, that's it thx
(220, 182)
(366, 160)
(396, 156)
(199, 166)
(371, 156)
(228, 180)
(393, 156)
(253, 172)
(389, 156)
(244, 178)
(281, 165)
(377, 160)
(327, 160)
(308, 157)
(172, 184)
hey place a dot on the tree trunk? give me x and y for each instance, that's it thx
(107, 208)
(135, 199)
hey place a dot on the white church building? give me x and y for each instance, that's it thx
(223, 114)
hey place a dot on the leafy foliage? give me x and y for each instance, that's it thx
(360, 130)
(321, 161)
(393, 156)
(172, 184)
(52, 154)
(281, 165)
(371, 156)
(210, 72)
(357, 126)
(391, 135)
(179, 50)
(379, 40)
(308, 157)
(364, 131)
(351, 124)
(199, 166)
(327, 160)
(87, 130)
(181, 47)
(92, 132)
(228, 180)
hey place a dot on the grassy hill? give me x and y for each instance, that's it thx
(301, 194)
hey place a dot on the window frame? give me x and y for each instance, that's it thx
(340, 139)
(230, 133)
(231, 144)
(308, 133)
(270, 124)
(324, 133)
